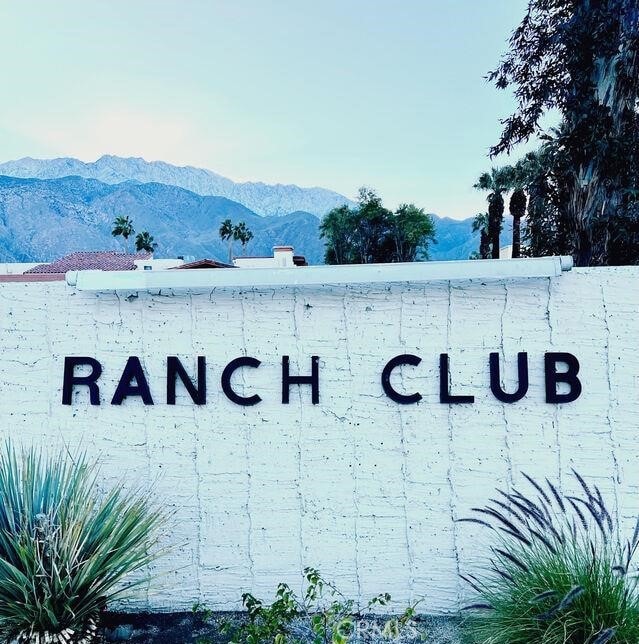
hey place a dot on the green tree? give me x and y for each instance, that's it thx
(581, 58)
(541, 175)
(144, 242)
(412, 231)
(123, 227)
(227, 234)
(242, 234)
(337, 229)
(370, 233)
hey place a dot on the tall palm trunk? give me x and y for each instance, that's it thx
(587, 204)
(517, 207)
(495, 218)
(484, 245)
(516, 250)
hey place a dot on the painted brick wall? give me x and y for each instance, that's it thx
(359, 486)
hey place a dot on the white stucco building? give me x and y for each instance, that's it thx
(283, 257)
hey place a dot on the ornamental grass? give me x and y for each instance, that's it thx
(560, 571)
(65, 547)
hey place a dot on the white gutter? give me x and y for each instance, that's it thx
(415, 272)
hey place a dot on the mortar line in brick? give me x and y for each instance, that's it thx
(119, 300)
(504, 413)
(145, 412)
(300, 423)
(354, 462)
(404, 465)
(613, 446)
(555, 421)
(196, 465)
(247, 456)
(449, 474)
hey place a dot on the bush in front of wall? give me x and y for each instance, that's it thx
(560, 573)
(65, 549)
(324, 615)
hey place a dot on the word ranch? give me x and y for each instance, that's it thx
(82, 374)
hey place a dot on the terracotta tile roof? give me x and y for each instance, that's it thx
(100, 260)
(34, 277)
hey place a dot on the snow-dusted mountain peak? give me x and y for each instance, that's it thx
(264, 199)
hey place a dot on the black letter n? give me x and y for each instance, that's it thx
(175, 369)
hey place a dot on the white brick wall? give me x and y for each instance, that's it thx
(363, 488)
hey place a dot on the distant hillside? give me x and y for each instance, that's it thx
(42, 219)
(456, 239)
(261, 198)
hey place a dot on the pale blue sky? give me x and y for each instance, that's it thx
(335, 93)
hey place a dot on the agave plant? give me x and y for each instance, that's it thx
(559, 571)
(65, 549)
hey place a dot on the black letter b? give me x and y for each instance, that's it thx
(568, 377)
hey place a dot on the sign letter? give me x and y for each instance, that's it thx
(288, 380)
(132, 371)
(69, 379)
(174, 368)
(568, 377)
(444, 390)
(402, 399)
(522, 374)
(245, 361)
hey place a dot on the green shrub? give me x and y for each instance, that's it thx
(559, 573)
(64, 548)
(323, 616)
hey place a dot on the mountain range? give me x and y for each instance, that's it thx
(52, 207)
(261, 198)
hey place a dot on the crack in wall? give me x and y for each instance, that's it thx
(555, 421)
(196, 467)
(504, 413)
(247, 455)
(354, 459)
(451, 461)
(117, 297)
(300, 424)
(147, 451)
(404, 465)
(609, 414)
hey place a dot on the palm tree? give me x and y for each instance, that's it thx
(497, 181)
(480, 224)
(123, 227)
(144, 242)
(227, 234)
(243, 235)
(517, 207)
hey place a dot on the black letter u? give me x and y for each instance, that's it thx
(522, 374)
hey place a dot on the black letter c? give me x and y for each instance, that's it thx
(402, 399)
(245, 361)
